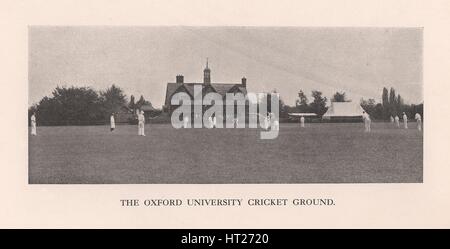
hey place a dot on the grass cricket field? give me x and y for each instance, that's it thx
(318, 153)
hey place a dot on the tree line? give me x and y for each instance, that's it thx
(318, 105)
(83, 105)
(392, 104)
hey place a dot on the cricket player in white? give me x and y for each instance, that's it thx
(367, 122)
(405, 121)
(141, 123)
(397, 121)
(392, 119)
(33, 125)
(302, 122)
(113, 122)
(419, 121)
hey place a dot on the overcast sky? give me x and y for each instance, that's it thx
(141, 60)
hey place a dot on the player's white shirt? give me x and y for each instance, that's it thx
(141, 118)
(302, 121)
(397, 118)
(405, 118)
(366, 116)
(418, 117)
(113, 123)
(33, 125)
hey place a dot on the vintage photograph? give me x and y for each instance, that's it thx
(224, 105)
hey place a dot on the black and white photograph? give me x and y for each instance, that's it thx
(225, 105)
(224, 123)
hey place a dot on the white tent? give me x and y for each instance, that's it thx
(344, 110)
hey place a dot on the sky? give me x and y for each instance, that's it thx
(141, 60)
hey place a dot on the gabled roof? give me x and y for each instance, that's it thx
(220, 88)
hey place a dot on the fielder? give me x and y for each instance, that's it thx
(397, 121)
(419, 121)
(113, 122)
(141, 123)
(405, 121)
(302, 122)
(367, 121)
(33, 124)
(392, 119)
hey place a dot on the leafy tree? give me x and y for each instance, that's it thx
(132, 105)
(140, 102)
(302, 102)
(70, 106)
(385, 102)
(378, 111)
(339, 97)
(369, 106)
(393, 103)
(302, 99)
(319, 103)
(399, 104)
(416, 109)
(385, 98)
(80, 106)
(112, 100)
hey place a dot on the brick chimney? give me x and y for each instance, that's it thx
(244, 82)
(180, 78)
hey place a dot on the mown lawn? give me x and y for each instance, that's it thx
(319, 153)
